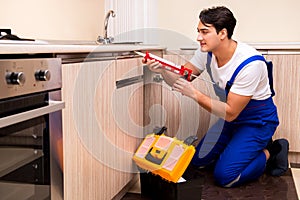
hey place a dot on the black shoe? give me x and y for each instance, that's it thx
(277, 164)
(274, 149)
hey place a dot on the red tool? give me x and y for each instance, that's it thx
(187, 73)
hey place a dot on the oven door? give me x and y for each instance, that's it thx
(25, 153)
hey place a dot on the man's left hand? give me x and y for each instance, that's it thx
(185, 87)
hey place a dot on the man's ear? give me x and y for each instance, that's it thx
(223, 33)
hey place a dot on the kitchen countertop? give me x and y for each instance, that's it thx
(31, 48)
(276, 45)
(43, 47)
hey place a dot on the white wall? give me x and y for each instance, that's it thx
(53, 19)
(257, 20)
(131, 15)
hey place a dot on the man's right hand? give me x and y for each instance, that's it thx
(153, 65)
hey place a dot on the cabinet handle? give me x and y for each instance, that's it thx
(158, 78)
(129, 81)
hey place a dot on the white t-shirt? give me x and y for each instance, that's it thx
(252, 80)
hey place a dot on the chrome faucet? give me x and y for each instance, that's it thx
(106, 39)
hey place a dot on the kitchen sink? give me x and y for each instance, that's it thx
(83, 42)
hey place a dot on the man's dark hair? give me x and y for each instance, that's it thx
(220, 17)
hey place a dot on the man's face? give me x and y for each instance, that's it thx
(207, 37)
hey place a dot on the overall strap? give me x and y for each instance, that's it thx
(220, 92)
(208, 61)
(244, 63)
(239, 68)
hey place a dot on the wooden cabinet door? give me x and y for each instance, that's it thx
(98, 148)
(183, 116)
(128, 115)
(286, 75)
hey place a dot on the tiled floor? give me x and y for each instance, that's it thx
(285, 187)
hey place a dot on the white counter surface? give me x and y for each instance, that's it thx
(276, 45)
(36, 47)
(31, 48)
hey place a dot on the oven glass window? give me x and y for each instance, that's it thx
(24, 153)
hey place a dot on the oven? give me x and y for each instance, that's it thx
(30, 129)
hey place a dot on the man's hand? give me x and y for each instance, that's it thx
(185, 87)
(153, 65)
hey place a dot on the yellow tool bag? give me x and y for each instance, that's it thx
(165, 156)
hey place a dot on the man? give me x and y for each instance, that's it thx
(248, 115)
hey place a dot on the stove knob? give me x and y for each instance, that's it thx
(15, 78)
(42, 75)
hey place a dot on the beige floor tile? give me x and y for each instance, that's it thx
(296, 177)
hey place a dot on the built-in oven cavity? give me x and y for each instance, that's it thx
(30, 125)
(25, 146)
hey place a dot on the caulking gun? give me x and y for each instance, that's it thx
(181, 70)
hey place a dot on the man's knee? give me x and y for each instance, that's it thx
(226, 178)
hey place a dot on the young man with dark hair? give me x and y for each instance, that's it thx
(237, 145)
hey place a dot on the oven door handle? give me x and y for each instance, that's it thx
(20, 117)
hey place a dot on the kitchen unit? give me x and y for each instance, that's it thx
(102, 88)
(287, 80)
(108, 109)
(103, 126)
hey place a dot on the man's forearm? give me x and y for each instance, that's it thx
(169, 77)
(213, 106)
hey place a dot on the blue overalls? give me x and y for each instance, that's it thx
(236, 148)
